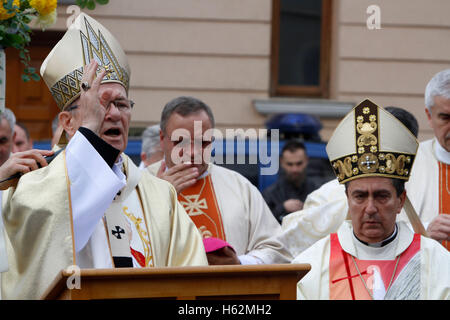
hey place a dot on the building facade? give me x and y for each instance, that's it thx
(225, 53)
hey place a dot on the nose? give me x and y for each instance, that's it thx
(196, 152)
(112, 112)
(297, 169)
(371, 207)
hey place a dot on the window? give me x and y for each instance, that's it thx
(300, 48)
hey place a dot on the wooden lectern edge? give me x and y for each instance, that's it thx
(289, 268)
(60, 280)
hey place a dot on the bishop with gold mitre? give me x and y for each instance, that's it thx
(373, 256)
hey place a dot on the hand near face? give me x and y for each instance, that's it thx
(181, 176)
(293, 205)
(439, 228)
(222, 256)
(90, 107)
(22, 162)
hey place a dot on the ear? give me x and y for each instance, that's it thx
(428, 113)
(161, 139)
(66, 121)
(402, 199)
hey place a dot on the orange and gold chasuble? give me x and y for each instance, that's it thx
(345, 280)
(444, 194)
(201, 205)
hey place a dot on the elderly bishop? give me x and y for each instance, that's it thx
(91, 206)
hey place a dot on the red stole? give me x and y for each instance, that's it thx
(345, 282)
(200, 203)
(444, 194)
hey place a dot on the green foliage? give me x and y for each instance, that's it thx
(15, 32)
(90, 4)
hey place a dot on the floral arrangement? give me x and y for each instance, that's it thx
(90, 4)
(15, 17)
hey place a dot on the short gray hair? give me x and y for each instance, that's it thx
(150, 140)
(184, 106)
(439, 85)
(10, 117)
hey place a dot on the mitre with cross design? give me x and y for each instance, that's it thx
(369, 141)
(84, 41)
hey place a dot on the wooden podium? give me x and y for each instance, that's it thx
(277, 281)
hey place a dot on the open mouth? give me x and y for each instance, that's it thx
(113, 132)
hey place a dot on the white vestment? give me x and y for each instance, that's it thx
(423, 185)
(3, 253)
(249, 225)
(326, 208)
(432, 263)
(54, 219)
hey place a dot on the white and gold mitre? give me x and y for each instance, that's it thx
(85, 40)
(369, 141)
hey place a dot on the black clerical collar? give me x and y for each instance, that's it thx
(381, 243)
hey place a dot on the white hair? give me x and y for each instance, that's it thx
(439, 85)
(150, 140)
(10, 117)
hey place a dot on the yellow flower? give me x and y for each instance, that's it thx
(44, 7)
(46, 21)
(3, 12)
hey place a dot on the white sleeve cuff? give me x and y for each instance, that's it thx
(93, 186)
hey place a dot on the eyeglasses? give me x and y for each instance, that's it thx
(123, 105)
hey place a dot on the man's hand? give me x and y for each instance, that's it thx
(222, 256)
(181, 176)
(22, 162)
(293, 205)
(439, 228)
(90, 107)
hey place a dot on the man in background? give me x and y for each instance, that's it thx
(151, 151)
(289, 192)
(223, 204)
(8, 120)
(428, 186)
(22, 139)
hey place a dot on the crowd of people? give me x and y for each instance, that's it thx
(380, 230)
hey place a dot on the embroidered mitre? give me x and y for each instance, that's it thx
(85, 40)
(369, 141)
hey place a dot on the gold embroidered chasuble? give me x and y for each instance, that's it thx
(38, 223)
